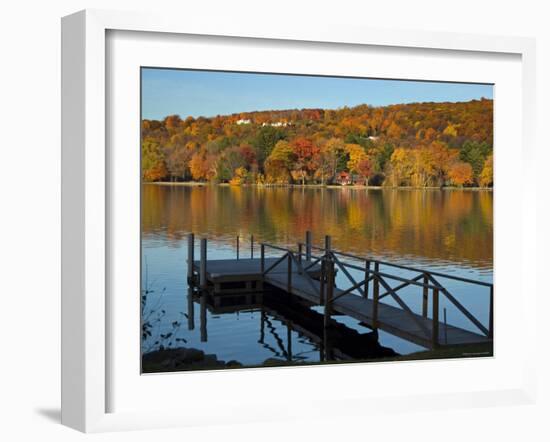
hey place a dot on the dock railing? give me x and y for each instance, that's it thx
(426, 280)
(291, 258)
(374, 274)
(238, 246)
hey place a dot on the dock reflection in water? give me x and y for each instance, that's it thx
(287, 331)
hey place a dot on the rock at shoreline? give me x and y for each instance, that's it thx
(271, 362)
(182, 358)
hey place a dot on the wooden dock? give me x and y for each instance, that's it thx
(238, 275)
(311, 277)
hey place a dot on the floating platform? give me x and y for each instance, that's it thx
(238, 275)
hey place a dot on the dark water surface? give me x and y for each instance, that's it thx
(449, 231)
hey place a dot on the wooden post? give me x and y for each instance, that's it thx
(327, 271)
(328, 242)
(425, 297)
(190, 310)
(327, 344)
(300, 258)
(308, 245)
(330, 290)
(262, 327)
(204, 335)
(251, 246)
(367, 276)
(445, 322)
(491, 296)
(237, 247)
(262, 259)
(289, 274)
(289, 341)
(435, 318)
(322, 281)
(375, 295)
(190, 256)
(202, 274)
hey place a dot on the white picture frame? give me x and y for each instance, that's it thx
(86, 206)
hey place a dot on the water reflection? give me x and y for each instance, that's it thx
(448, 226)
(449, 231)
(288, 333)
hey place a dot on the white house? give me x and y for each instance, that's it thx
(241, 121)
(277, 124)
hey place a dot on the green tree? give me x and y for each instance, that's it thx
(382, 156)
(265, 140)
(475, 154)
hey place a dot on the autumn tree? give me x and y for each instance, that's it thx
(202, 166)
(394, 130)
(436, 162)
(265, 140)
(248, 155)
(153, 161)
(486, 177)
(240, 176)
(330, 153)
(172, 122)
(177, 161)
(364, 169)
(279, 163)
(306, 155)
(461, 173)
(402, 166)
(359, 162)
(431, 135)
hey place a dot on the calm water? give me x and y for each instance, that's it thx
(449, 231)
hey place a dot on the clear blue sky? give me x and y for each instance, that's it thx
(203, 93)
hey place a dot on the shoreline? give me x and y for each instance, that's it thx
(313, 186)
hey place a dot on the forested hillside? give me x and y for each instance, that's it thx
(419, 144)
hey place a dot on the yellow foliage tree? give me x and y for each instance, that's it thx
(450, 130)
(240, 177)
(486, 177)
(356, 155)
(279, 163)
(402, 166)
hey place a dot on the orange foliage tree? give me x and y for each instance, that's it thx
(461, 173)
(306, 158)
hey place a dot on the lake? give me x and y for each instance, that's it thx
(449, 231)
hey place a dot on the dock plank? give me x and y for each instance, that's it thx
(392, 319)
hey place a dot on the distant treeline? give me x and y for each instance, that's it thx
(418, 144)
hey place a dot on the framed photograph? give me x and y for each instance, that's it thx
(248, 209)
